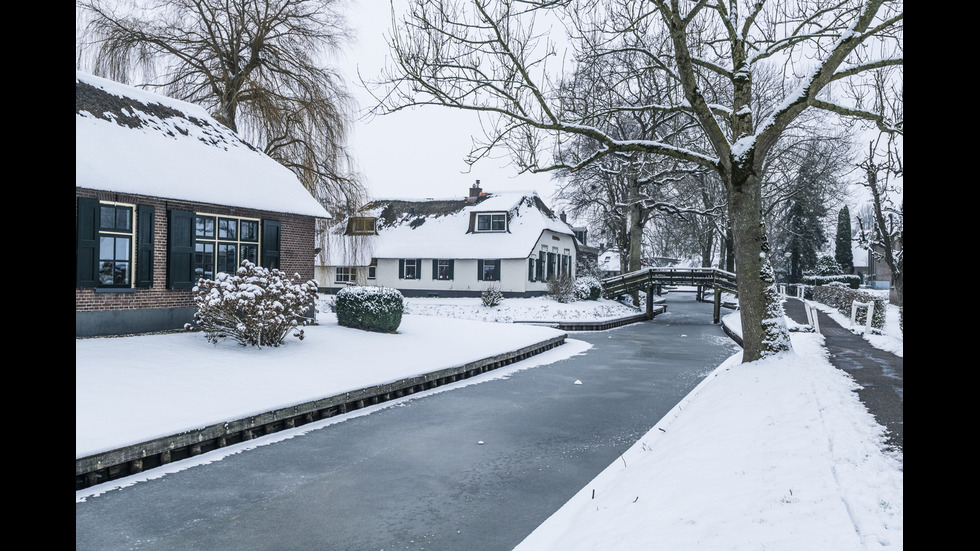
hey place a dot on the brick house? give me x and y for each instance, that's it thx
(165, 195)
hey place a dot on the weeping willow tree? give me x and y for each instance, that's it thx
(259, 66)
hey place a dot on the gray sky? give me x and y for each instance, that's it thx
(419, 153)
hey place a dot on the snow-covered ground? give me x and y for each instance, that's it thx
(775, 454)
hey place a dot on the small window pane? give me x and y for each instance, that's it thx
(124, 219)
(227, 259)
(499, 221)
(250, 230)
(107, 217)
(121, 273)
(250, 253)
(122, 248)
(227, 229)
(204, 226)
(483, 222)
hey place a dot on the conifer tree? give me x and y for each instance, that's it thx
(843, 252)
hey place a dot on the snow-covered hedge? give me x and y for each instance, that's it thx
(370, 308)
(588, 288)
(254, 306)
(852, 281)
(841, 298)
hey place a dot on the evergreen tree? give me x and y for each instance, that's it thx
(843, 252)
(800, 233)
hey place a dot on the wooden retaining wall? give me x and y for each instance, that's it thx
(129, 460)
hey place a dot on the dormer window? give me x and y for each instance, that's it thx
(495, 222)
(362, 225)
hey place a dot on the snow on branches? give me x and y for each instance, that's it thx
(255, 306)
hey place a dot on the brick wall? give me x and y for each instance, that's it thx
(296, 252)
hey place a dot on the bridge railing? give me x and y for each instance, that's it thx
(641, 280)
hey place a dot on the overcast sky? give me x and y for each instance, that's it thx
(419, 153)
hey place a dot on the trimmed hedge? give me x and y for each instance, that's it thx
(841, 298)
(852, 281)
(377, 309)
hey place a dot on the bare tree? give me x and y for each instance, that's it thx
(885, 237)
(257, 65)
(492, 56)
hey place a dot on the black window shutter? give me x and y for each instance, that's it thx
(144, 245)
(451, 263)
(180, 253)
(401, 268)
(271, 243)
(87, 243)
(180, 261)
(530, 269)
(418, 268)
(479, 270)
(435, 268)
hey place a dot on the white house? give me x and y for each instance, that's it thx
(450, 247)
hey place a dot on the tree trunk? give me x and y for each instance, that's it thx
(764, 331)
(635, 221)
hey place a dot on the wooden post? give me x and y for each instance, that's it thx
(650, 302)
(717, 316)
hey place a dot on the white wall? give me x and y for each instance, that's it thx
(513, 272)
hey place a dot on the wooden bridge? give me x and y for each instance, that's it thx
(650, 280)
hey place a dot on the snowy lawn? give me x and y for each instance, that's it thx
(776, 454)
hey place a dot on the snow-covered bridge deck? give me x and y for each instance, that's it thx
(649, 279)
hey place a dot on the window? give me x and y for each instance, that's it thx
(221, 244)
(442, 269)
(114, 244)
(491, 222)
(362, 225)
(373, 269)
(116, 238)
(409, 269)
(488, 270)
(201, 245)
(346, 274)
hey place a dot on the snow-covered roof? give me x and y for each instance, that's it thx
(440, 229)
(134, 141)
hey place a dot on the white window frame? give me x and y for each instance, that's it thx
(345, 275)
(495, 218)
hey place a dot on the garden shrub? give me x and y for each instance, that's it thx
(588, 288)
(561, 288)
(852, 281)
(370, 308)
(254, 306)
(841, 299)
(491, 296)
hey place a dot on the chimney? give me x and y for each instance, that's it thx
(563, 218)
(474, 192)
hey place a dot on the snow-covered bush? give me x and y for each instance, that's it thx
(370, 308)
(561, 288)
(588, 288)
(826, 265)
(850, 280)
(254, 306)
(841, 299)
(491, 296)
